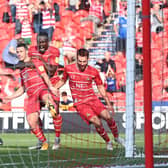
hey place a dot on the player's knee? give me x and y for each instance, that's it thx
(33, 122)
(96, 121)
(106, 115)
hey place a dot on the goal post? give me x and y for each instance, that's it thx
(130, 78)
(147, 83)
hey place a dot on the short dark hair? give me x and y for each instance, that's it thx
(22, 45)
(83, 52)
(42, 34)
(64, 93)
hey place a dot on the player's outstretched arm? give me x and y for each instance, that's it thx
(16, 94)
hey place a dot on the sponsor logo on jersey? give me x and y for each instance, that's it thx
(87, 114)
(41, 68)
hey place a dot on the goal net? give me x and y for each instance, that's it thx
(81, 145)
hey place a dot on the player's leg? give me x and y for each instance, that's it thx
(33, 121)
(57, 118)
(112, 125)
(89, 116)
(101, 131)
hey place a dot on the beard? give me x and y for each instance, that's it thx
(82, 67)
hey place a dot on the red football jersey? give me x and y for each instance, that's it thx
(31, 79)
(81, 82)
(51, 55)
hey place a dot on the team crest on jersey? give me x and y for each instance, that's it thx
(88, 79)
(25, 76)
(41, 68)
(75, 100)
(87, 114)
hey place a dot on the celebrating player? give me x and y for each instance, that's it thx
(81, 77)
(49, 56)
(38, 87)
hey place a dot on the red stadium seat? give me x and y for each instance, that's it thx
(139, 89)
(157, 92)
(155, 53)
(119, 64)
(78, 15)
(79, 42)
(59, 32)
(66, 17)
(86, 29)
(165, 96)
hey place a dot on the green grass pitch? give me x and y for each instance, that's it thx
(86, 150)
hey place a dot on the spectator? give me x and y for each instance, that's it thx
(111, 80)
(104, 64)
(9, 55)
(22, 11)
(26, 32)
(138, 67)
(84, 4)
(122, 82)
(57, 15)
(95, 15)
(156, 16)
(139, 39)
(120, 28)
(65, 104)
(138, 15)
(12, 9)
(36, 15)
(69, 48)
(165, 4)
(72, 5)
(48, 19)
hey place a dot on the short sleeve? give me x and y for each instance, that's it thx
(97, 79)
(39, 66)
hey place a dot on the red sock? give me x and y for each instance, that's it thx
(57, 125)
(113, 127)
(101, 131)
(38, 132)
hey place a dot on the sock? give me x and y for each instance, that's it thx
(38, 132)
(113, 127)
(57, 121)
(101, 131)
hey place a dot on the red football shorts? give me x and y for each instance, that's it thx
(89, 109)
(33, 102)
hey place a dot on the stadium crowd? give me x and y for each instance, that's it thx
(70, 25)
